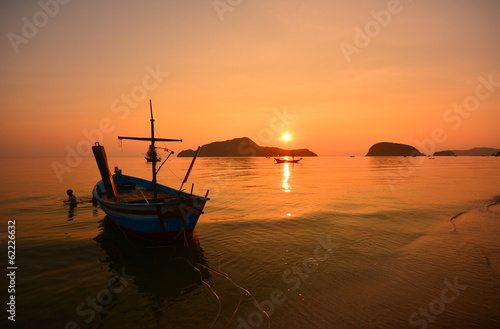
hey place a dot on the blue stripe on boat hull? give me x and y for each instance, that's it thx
(158, 221)
(151, 223)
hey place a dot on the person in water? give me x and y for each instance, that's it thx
(71, 198)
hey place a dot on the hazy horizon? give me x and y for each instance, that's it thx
(164, 153)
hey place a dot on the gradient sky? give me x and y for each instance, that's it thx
(230, 73)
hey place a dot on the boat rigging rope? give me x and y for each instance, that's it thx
(226, 276)
(209, 286)
(144, 196)
(165, 146)
(158, 134)
(174, 173)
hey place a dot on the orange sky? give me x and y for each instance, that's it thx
(259, 68)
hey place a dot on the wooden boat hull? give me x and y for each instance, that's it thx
(286, 161)
(172, 217)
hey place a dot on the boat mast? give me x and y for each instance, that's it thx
(152, 139)
(155, 192)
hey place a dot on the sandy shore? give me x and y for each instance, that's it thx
(481, 227)
(412, 288)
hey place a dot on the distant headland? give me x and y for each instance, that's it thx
(396, 149)
(393, 149)
(476, 151)
(243, 147)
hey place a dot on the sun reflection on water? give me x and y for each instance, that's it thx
(286, 176)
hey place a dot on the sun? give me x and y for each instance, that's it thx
(286, 137)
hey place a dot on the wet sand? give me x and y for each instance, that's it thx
(448, 278)
(481, 227)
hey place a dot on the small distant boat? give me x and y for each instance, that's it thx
(287, 160)
(145, 208)
(283, 160)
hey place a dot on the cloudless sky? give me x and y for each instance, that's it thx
(217, 70)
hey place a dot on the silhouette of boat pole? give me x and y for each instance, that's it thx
(152, 147)
(189, 170)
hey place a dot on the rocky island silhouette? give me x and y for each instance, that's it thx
(243, 147)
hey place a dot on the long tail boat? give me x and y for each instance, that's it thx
(287, 159)
(144, 208)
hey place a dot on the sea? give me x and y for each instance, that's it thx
(330, 242)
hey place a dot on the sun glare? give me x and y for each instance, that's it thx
(286, 137)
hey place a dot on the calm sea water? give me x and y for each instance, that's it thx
(332, 242)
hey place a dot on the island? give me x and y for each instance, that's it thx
(444, 153)
(244, 147)
(393, 149)
(476, 151)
